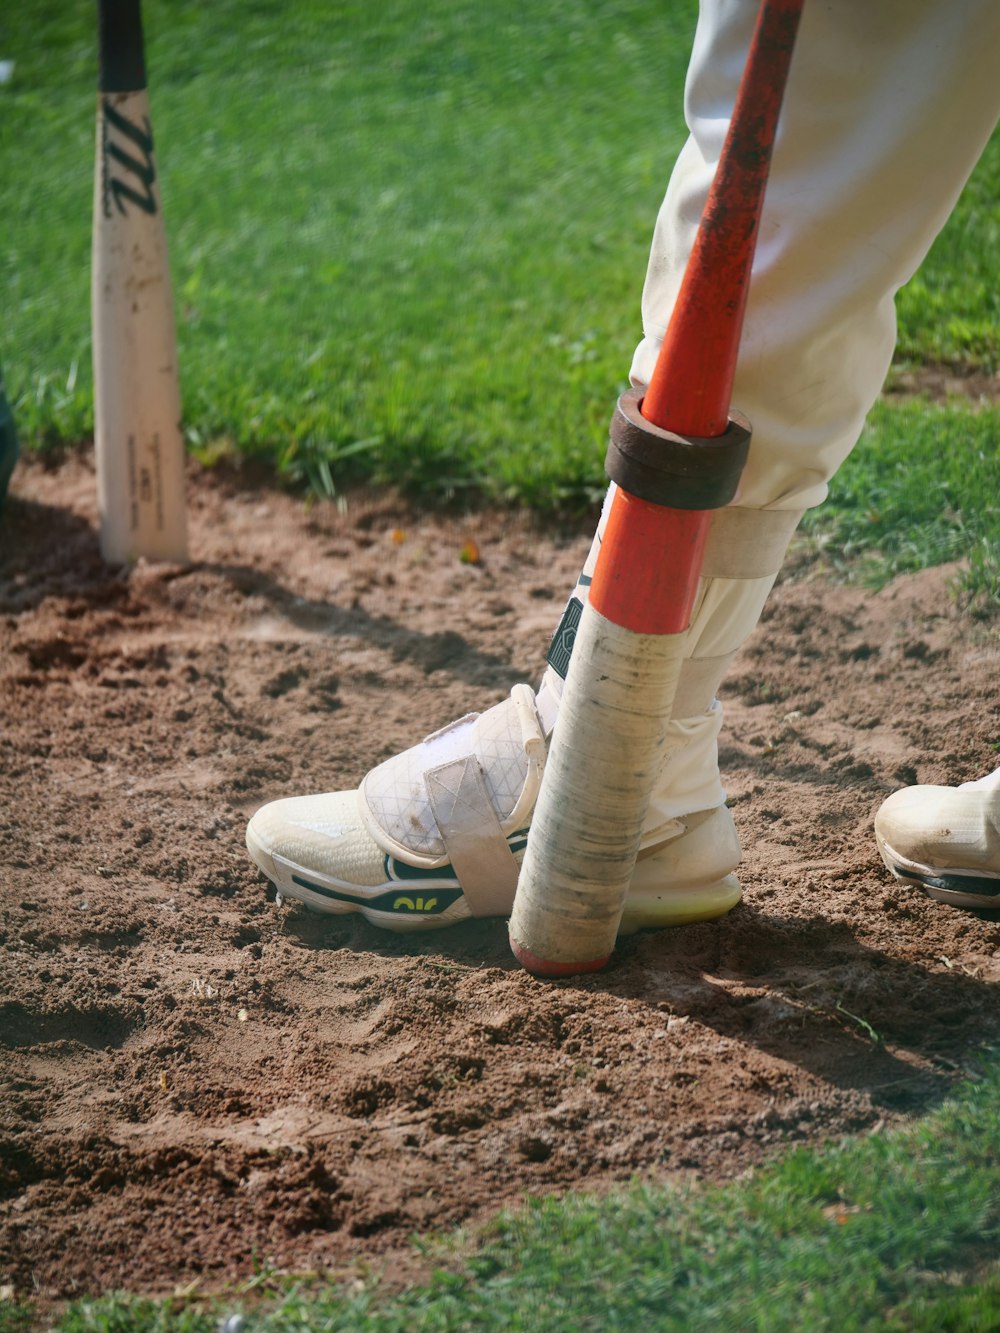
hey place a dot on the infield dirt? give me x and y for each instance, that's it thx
(195, 1082)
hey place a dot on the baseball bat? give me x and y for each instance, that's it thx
(676, 455)
(138, 443)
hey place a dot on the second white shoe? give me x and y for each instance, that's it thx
(946, 840)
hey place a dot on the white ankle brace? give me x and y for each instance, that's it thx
(742, 558)
(458, 795)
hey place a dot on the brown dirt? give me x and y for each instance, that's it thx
(195, 1081)
(942, 383)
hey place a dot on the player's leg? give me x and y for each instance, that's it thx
(887, 110)
(872, 152)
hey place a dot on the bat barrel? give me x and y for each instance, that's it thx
(609, 740)
(138, 440)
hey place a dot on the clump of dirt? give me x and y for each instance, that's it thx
(195, 1081)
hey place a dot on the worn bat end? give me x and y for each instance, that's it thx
(545, 967)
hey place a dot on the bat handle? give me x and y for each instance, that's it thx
(691, 387)
(120, 45)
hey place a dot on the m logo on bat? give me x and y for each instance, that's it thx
(131, 148)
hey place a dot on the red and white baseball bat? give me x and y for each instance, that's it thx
(676, 455)
(138, 443)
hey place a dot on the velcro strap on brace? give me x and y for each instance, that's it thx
(748, 543)
(743, 546)
(477, 849)
(457, 796)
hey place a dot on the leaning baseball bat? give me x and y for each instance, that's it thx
(676, 455)
(138, 444)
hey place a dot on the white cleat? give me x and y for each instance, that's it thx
(946, 840)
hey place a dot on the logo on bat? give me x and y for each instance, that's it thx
(128, 149)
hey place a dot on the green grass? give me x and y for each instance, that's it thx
(408, 243)
(921, 488)
(897, 1230)
(950, 311)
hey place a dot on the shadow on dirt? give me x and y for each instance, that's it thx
(805, 991)
(48, 551)
(440, 650)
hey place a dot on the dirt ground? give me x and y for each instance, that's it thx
(195, 1081)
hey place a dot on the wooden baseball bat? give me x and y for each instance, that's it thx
(676, 455)
(138, 443)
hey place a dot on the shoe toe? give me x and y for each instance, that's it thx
(930, 828)
(945, 840)
(317, 850)
(321, 835)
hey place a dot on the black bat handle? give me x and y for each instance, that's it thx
(119, 30)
